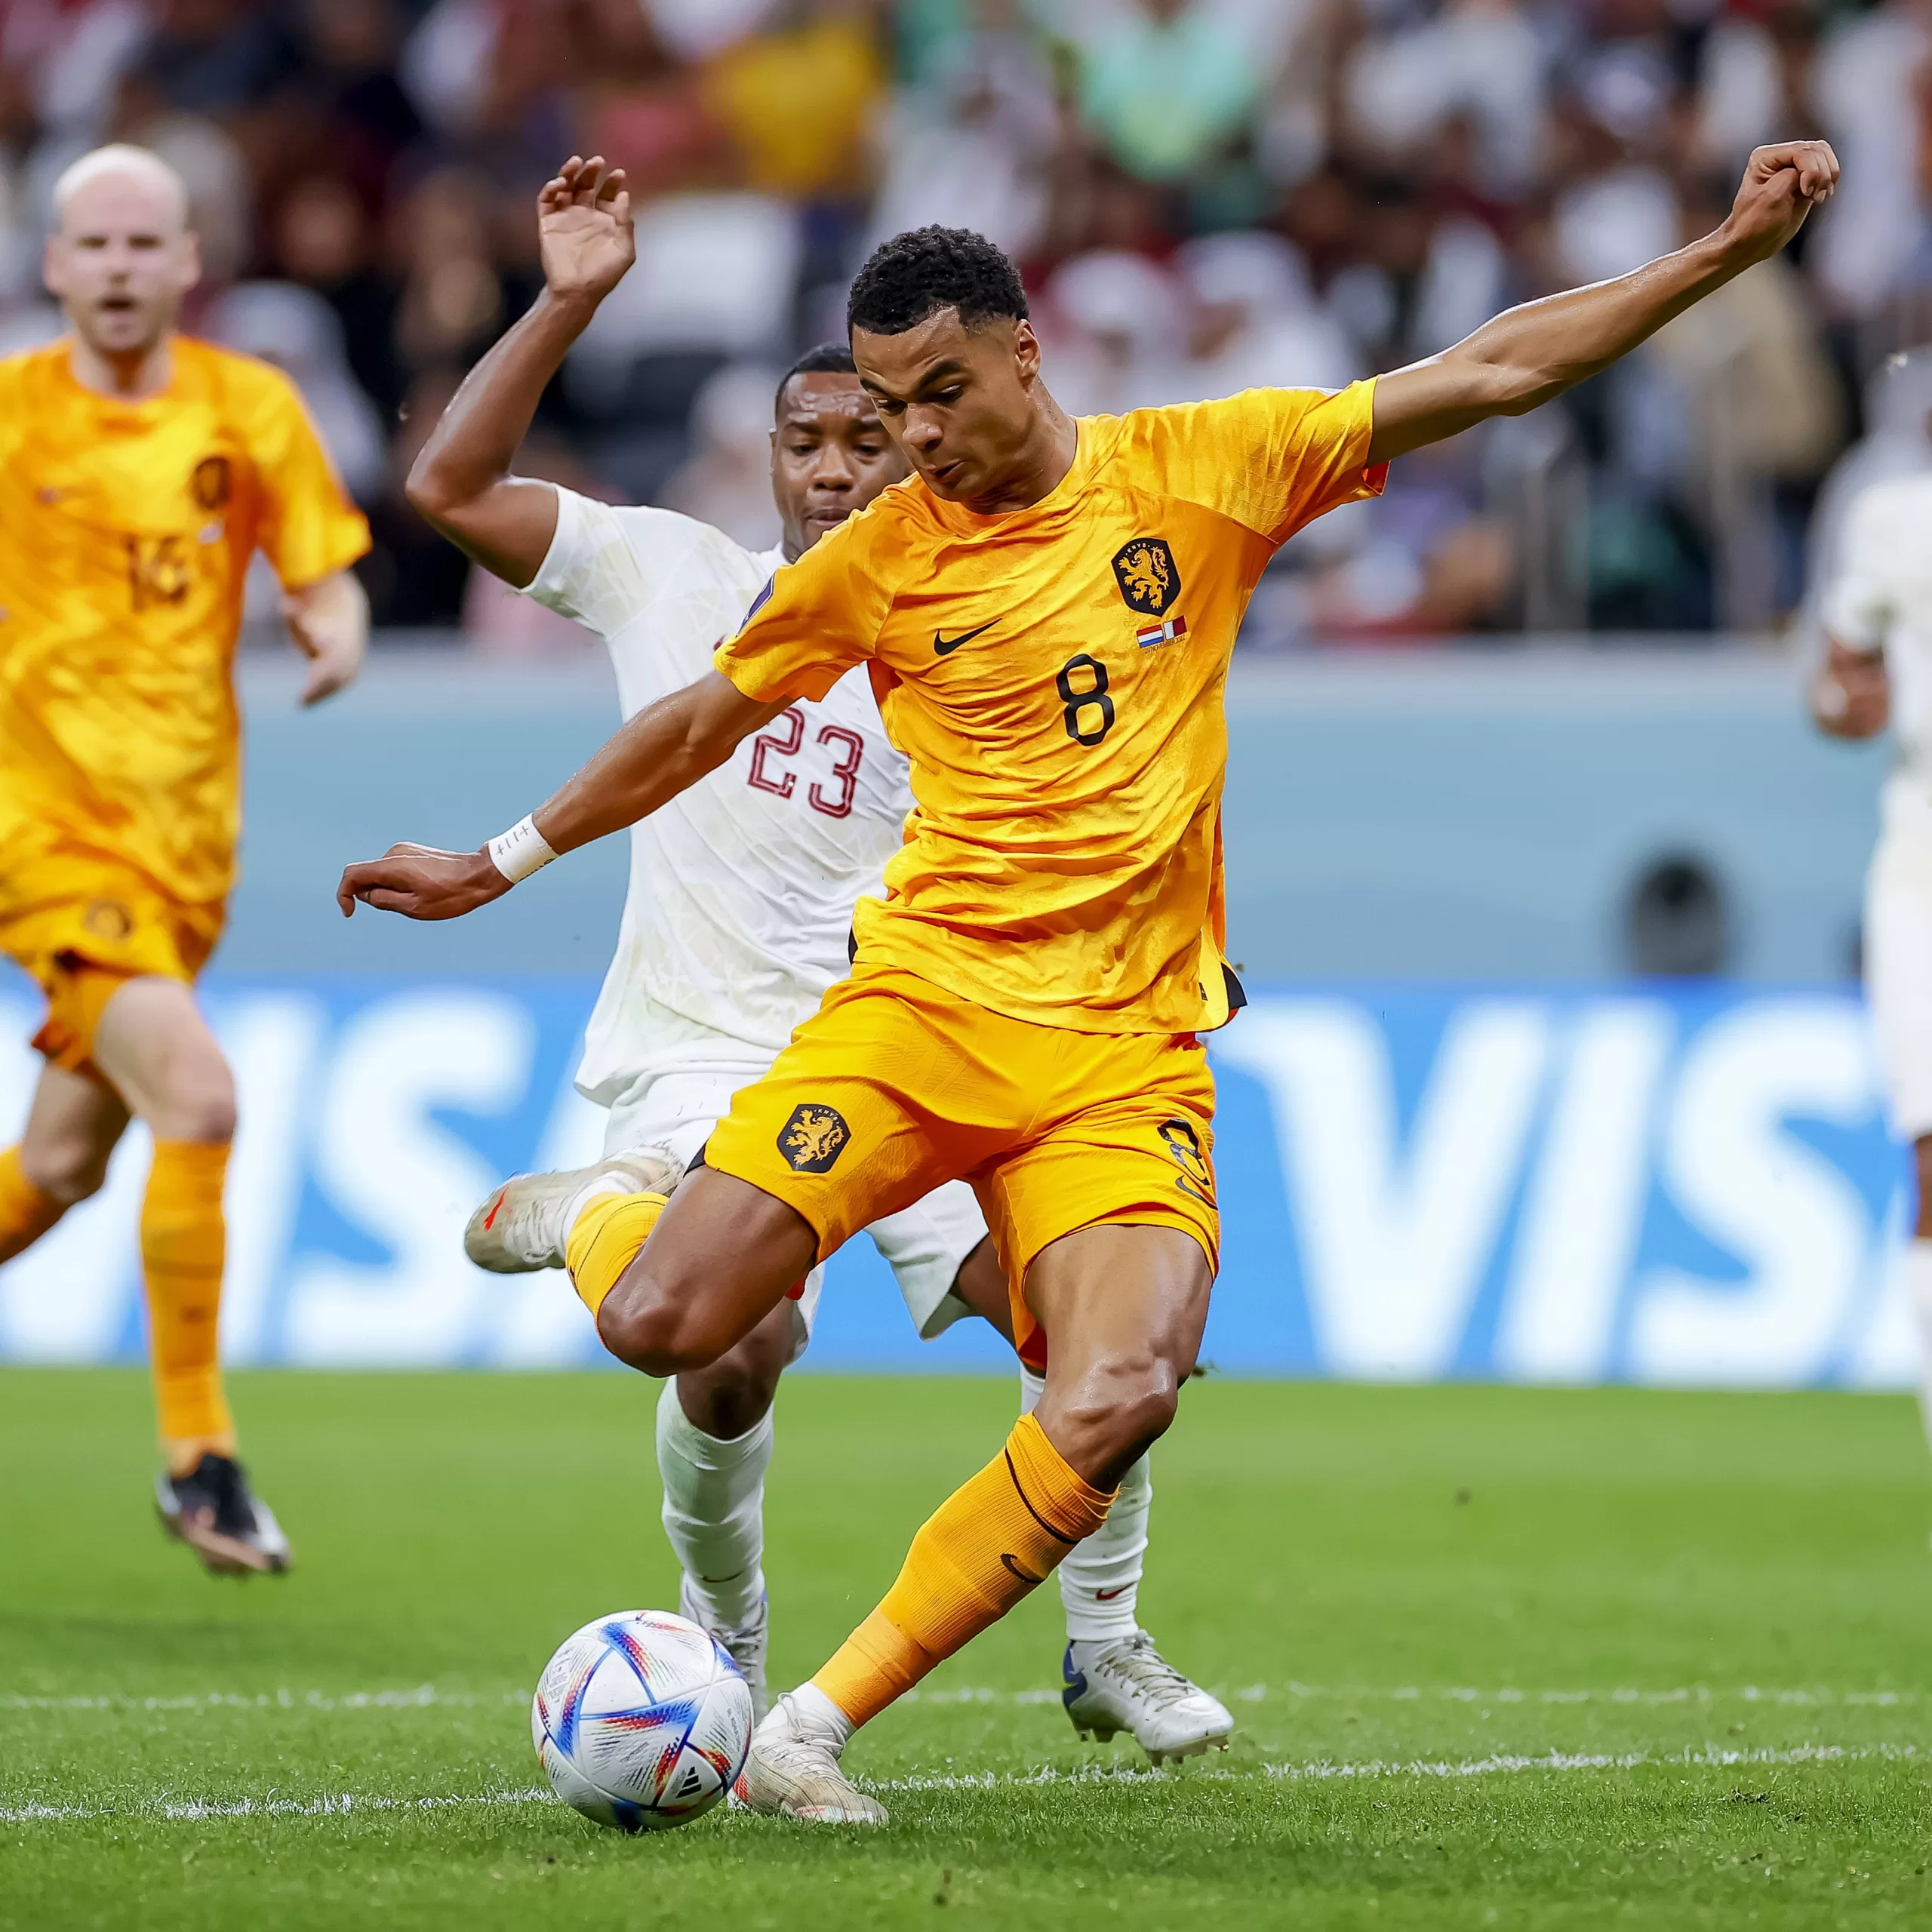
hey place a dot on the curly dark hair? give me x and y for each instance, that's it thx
(916, 274)
(826, 359)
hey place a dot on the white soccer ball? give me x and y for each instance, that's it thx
(641, 1720)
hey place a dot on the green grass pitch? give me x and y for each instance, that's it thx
(1498, 1657)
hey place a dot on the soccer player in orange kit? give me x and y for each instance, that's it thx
(1047, 608)
(139, 469)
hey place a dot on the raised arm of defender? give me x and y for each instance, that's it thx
(461, 483)
(1527, 355)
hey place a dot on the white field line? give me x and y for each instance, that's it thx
(198, 1810)
(1708, 1757)
(421, 1698)
(349, 1804)
(426, 1695)
(1815, 1696)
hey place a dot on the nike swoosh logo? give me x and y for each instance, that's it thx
(1024, 1575)
(495, 1206)
(1108, 1596)
(944, 647)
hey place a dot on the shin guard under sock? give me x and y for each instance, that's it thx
(991, 1541)
(184, 1247)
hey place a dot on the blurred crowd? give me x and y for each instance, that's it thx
(1203, 194)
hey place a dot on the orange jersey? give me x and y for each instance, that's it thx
(125, 533)
(1056, 677)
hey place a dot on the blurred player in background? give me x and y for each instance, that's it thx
(1049, 606)
(1877, 610)
(740, 903)
(140, 470)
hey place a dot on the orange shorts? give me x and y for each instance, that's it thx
(895, 1086)
(83, 928)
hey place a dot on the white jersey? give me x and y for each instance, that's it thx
(742, 887)
(1880, 599)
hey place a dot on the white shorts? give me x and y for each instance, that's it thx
(671, 1110)
(1898, 976)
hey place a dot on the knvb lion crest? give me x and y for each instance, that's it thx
(814, 1137)
(108, 919)
(213, 481)
(1148, 578)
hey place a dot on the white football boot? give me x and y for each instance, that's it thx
(525, 1223)
(792, 1771)
(747, 1643)
(1126, 1684)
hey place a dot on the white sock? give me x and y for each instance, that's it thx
(817, 1712)
(714, 1511)
(592, 1190)
(1919, 1282)
(1100, 1581)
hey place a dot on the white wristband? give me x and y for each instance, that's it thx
(520, 851)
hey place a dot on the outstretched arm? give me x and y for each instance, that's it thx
(665, 749)
(1528, 355)
(461, 483)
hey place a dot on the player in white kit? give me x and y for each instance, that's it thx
(1877, 610)
(737, 921)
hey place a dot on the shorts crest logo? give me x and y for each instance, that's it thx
(1149, 578)
(212, 483)
(108, 919)
(813, 1138)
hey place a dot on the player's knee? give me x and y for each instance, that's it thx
(1141, 1419)
(1124, 1410)
(730, 1397)
(648, 1330)
(195, 1099)
(205, 1111)
(198, 1100)
(736, 1392)
(634, 1330)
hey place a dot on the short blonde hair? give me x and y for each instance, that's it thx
(117, 158)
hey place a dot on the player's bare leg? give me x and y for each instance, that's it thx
(695, 1287)
(715, 1261)
(1918, 1275)
(714, 1428)
(154, 1047)
(72, 1128)
(714, 1439)
(1124, 1308)
(1113, 1678)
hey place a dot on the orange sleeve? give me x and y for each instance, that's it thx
(309, 528)
(817, 618)
(1272, 460)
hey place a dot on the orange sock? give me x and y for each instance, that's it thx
(183, 1245)
(26, 1214)
(604, 1240)
(982, 1549)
